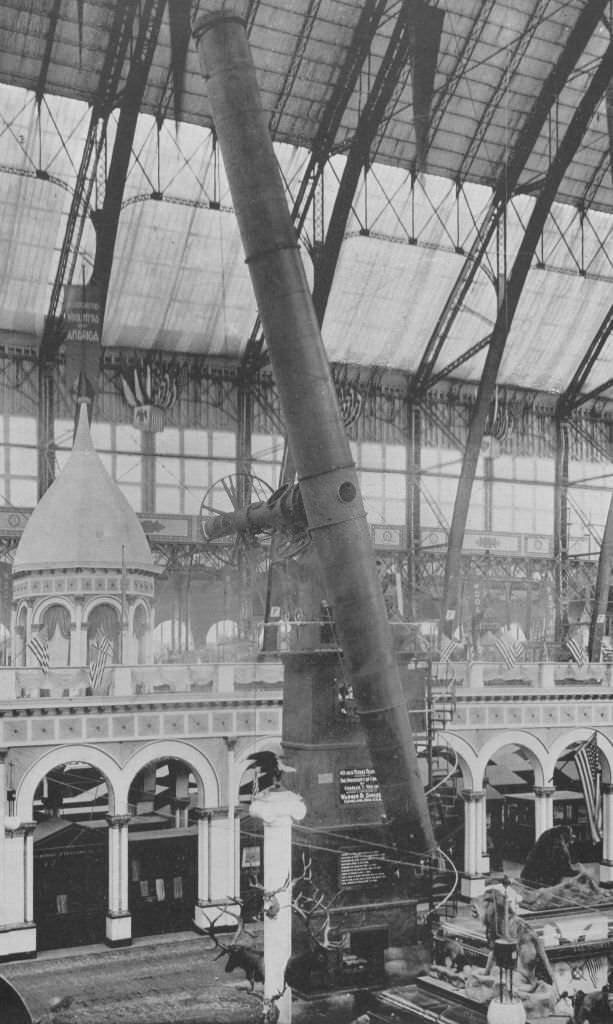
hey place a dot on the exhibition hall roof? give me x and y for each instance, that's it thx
(457, 107)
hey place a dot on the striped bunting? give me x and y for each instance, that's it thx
(588, 768)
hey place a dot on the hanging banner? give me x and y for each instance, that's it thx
(83, 323)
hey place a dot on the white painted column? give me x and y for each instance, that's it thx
(606, 864)
(203, 887)
(232, 784)
(118, 918)
(28, 871)
(3, 812)
(543, 809)
(278, 808)
(473, 879)
(77, 654)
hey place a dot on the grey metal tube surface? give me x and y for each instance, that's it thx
(317, 439)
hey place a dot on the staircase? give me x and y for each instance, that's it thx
(444, 800)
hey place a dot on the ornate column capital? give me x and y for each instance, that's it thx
(117, 820)
(544, 791)
(473, 795)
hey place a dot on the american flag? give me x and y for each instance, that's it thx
(102, 649)
(509, 650)
(39, 646)
(588, 768)
(575, 649)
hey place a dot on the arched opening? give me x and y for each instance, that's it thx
(577, 801)
(21, 638)
(509, 810)
(55, 626)
(162, 847)
(103, 623)
(140, 634)
(171, 641)
(70, 856)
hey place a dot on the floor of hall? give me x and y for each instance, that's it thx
(169, 979)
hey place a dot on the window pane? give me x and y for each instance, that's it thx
(524, 521)
(168, 500)
(128, 438)
(504, 519)
(267, 447)
(63, 433)
(475, 519)
(101, 435)
(23, 461)
(266, 472)
(195, 473)
(195, 442)
(133, 494)
(372, 484)
(127, 469)
(22, 430)
(395, 512)
(395, 456)
(168, 470)
(395, 485)
(371, 456)
(224, 443)
(168, 440)
(23, 493)
(374, 510)
(107, 462)
(545, 470)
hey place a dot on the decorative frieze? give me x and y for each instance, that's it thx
(86, 582)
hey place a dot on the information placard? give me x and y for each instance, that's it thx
(359, 786)
(360, 868)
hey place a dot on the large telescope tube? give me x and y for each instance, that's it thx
(317, 439)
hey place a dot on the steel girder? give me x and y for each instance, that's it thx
(54, 14)
(505, 186)
(506, 312)
(573, 397)
(106, 220)
(394, 61)
(110, 78)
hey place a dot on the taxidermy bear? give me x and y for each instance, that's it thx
(549, 859)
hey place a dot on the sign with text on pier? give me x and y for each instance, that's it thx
(360, 867)
(359, 786)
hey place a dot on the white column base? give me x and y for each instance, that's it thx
(118, 929)
(606, 873)
(472, 886)
(17, 941)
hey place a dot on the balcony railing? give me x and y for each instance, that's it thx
(134, 681)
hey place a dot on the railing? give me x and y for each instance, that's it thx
(126, 681)
(535, 675)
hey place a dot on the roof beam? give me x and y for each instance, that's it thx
(54, 14)
(508, 305)
(507, 183)
(110, 76)
(106, 220)
(572, 398)
(460, 360)
(394, 62)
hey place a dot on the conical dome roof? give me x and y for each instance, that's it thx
(83, 520)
